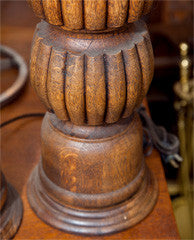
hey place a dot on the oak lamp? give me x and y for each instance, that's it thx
(91, 66)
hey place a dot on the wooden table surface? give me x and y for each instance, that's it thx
(20, 145)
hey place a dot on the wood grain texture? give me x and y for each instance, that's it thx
(90, 15)
(95, 87)
(146, 57)
(72, 13)
(135, 10)
(18, 147)
(102, 79)
(95, 14)
(143, 56)
(74, 88)
(40, 71)
(104, 176)
(96, 183)
(133, 80)
(92, 221)
(116, 86)
(117, 12)
(56, 83)
(113, 162)
(52, 11)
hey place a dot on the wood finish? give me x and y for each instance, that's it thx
(91, 221)
(21, 144)
(86, 171)
(10, 209)
(90, 15)
(91, 81)
(92, 178)
(93, 192)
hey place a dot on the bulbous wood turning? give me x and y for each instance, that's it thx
(10, 209)
(91, 15)
(92, 178)
(91, 81)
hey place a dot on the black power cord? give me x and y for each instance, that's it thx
(156, 136)
(27, 115)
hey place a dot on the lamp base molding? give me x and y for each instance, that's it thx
(92, 180)
(91, 221)
(11, 212)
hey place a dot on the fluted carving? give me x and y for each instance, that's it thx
(89, 14)
(91, 66)
(91, 85)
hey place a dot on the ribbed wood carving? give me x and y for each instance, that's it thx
(90, 14)
(94, 82)
(91, 71)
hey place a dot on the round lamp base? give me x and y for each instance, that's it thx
(91, 221)
(11, 214)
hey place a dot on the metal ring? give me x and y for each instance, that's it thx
(15, 59)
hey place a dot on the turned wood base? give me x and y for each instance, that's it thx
(91, 221)
(92, 180)
(11, 211)
(91, 69)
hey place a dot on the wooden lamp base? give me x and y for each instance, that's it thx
(11, 210)
(91, 70)
(92, 180)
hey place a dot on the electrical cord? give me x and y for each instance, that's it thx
(156, 136)
(21, 117)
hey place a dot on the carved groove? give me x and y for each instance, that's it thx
(84, 83)
(92, 86)
(83, 14)
(60, 4)
(106, 85)
(126, 83)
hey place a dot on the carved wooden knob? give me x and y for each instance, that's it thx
(91, 81)
(90, 14)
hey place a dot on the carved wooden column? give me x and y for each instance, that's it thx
(91, 66)
(10, 209)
